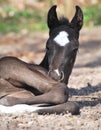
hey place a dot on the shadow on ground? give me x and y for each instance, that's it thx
(86, 96)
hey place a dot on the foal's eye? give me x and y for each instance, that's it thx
(49, 48)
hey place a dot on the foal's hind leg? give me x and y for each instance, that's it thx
(53, 92)
(69, 106)
(57, 95)
(10, 93)
(15, 98)
(6, 88)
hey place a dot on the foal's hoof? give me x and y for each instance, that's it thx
(73, 107)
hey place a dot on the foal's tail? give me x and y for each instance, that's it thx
(69, 106)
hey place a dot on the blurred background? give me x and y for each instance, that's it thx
(30, 15)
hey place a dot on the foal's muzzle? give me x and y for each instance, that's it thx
(56, 75)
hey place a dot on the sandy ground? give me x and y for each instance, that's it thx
(84, 84)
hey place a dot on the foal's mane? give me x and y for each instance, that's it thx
(63, 21)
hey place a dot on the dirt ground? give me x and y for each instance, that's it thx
(84, 84)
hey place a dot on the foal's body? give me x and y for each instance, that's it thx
(23, 83)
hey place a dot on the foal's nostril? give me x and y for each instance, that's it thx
(57, 71)
(53, 75)
(62, 76)
(56, 75)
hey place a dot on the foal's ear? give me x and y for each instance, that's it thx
(52, 19)
(77, 21)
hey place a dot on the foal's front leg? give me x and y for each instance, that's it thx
(56, 95)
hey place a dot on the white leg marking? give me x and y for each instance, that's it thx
(62, 38)
(20, 108)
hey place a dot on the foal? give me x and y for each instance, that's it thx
(23, 83)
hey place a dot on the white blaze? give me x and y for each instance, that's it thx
(62, 38)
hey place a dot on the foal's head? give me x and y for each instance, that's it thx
(62, 44)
